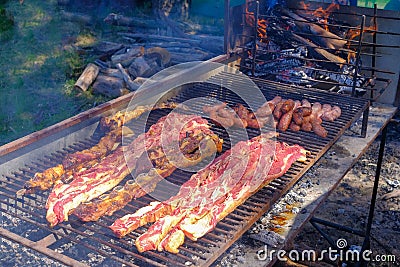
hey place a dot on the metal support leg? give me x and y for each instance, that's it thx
(367, 241)
(367, 234)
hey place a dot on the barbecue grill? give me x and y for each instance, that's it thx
(74, 242)
(71, 242)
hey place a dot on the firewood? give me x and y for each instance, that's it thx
(120, 20)
(127, 78)
(326, 54)
(160, 52)
(109, 86)
(87, 77)
(323, 37)
(76, 17)
(127, 58)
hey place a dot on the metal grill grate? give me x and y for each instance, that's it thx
(80, 241)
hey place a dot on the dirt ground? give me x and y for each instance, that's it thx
(349, 204)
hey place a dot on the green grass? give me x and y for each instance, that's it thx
(37, 70)
(366, 3)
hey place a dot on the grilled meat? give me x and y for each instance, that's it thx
(73, 163)
(92, 183)
(121, 117)
(193, 148)
(209, 195)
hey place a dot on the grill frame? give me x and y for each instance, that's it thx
(220, 238)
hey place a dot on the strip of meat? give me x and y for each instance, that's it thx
(197, 224)
(73, 163)
(121, 117)
(205, 192)
(151, 239)
(146, 182)
(111, 170)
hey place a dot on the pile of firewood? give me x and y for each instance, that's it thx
(122, 66)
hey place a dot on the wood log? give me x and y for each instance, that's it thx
(127, 78)
(322, 36)
(111, 72)
(106, 49)
(159, 52)
(76, 17)
(329, 56)
(87, 77)
(109, 86)
(120, 20)
(211, 43)
(142, 67)
(127, 58)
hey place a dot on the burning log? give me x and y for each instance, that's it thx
(319, 50)
(322, 36)
(87, 77)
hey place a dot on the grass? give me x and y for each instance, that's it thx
(38, 69)
(366, 3)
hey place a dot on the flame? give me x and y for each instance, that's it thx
(261, 25)
(323, 15)
(320, 13)
(354, 33)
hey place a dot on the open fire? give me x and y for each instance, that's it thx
(309, 47)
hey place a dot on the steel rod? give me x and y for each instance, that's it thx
(356, 67)
(373, 59)
(366, 243)
(253, 66)
(353, 14)
(337, 226)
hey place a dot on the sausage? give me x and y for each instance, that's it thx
(275, 101)
(265, 110)
(305, 111)
(316, 113)
(225, 122)
(264, 120)
(285, 120)
(288, 105)
(239, 123)
(306, 119)
(305, 103)
(326, 108)
(226, 113)
(298, 118)
(277, 111)
(297, 104)
(294, 127)
(208, 109)
(338, 111)
(307, 127)
(242, 111)
(319, 130)
(332, 114)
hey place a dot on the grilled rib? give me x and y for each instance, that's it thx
(211, 194)
(120, 118)
(95, 181)
(193, 148)
(113, 126)
(73, 163)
